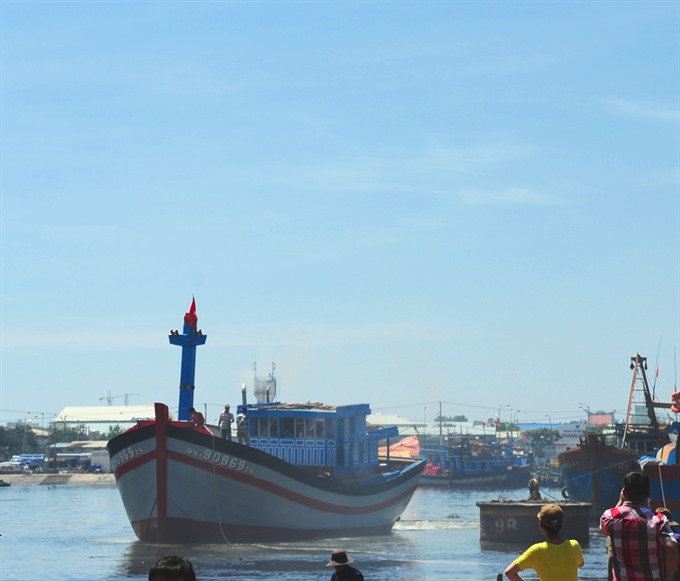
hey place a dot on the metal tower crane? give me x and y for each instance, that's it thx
(109, 398)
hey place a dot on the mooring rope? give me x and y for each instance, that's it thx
(663, 494)
(575, 478)
(215, 486)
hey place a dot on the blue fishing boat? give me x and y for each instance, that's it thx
(594, 470)
(311, 469)
(465, 462)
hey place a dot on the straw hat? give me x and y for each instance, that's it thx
(339, 557)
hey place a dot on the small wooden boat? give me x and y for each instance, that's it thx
(515, 521)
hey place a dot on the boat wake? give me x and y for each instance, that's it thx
(432, 525)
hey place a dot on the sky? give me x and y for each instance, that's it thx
(396, 203)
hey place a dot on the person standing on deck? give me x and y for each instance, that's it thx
(242, 428)
(642, 543)
(226, 419)
(197, 418)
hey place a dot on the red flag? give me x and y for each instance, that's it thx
(191, 318)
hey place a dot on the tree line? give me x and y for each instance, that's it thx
(21, 439)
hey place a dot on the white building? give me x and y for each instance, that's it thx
(94, 420)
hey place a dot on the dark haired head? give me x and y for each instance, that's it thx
(172, 568)
(551, 518)
(636, 487)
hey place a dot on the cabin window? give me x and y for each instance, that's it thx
(320, 429)
(263, 427)
(299, 428)
(310, 427)
(273, 427)
(286, 426)
(361, 453)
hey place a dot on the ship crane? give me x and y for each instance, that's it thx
(109, 398)
(640, 393)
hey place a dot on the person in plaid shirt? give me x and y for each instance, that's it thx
(637, 535)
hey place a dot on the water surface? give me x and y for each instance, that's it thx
(72, 533)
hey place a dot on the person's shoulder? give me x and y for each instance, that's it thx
(536, 547)
(617, 511)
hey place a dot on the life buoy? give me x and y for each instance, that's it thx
(564, 492)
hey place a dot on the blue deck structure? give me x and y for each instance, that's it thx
(318, 435)
(188, 341)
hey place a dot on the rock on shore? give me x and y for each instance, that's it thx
(61, 478)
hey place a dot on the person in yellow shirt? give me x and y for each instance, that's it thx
(553, 559)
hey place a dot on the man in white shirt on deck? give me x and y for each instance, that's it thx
(226, 419)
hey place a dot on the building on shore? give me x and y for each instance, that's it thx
(96, 421)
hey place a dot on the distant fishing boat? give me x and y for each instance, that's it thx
(312, 470)
(459, 461)
(594, 471)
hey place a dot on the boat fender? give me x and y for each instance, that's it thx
(564, 492)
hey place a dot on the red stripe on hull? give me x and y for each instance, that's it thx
(287, 493)
(135, 463)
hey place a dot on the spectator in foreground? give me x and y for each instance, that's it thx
(554, 558)
(343, 572)
(172, 568)
(642, 542)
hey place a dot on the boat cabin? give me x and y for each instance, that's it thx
(334, 438)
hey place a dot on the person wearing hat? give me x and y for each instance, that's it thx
(640, 542)
(554, 559)
(226, 419)
(172, 568)
(343, 572)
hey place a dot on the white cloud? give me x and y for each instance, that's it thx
(470, 159)
(287, 335)
(643, 109)
(406, 171)
(507, 196)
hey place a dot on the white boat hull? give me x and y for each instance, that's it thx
(180, 485)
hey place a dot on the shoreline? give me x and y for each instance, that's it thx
(59, 479)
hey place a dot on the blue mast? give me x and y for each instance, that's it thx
(188, 341)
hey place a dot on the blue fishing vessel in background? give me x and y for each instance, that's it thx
(594, 471)
(467, 462)
(311, 470)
